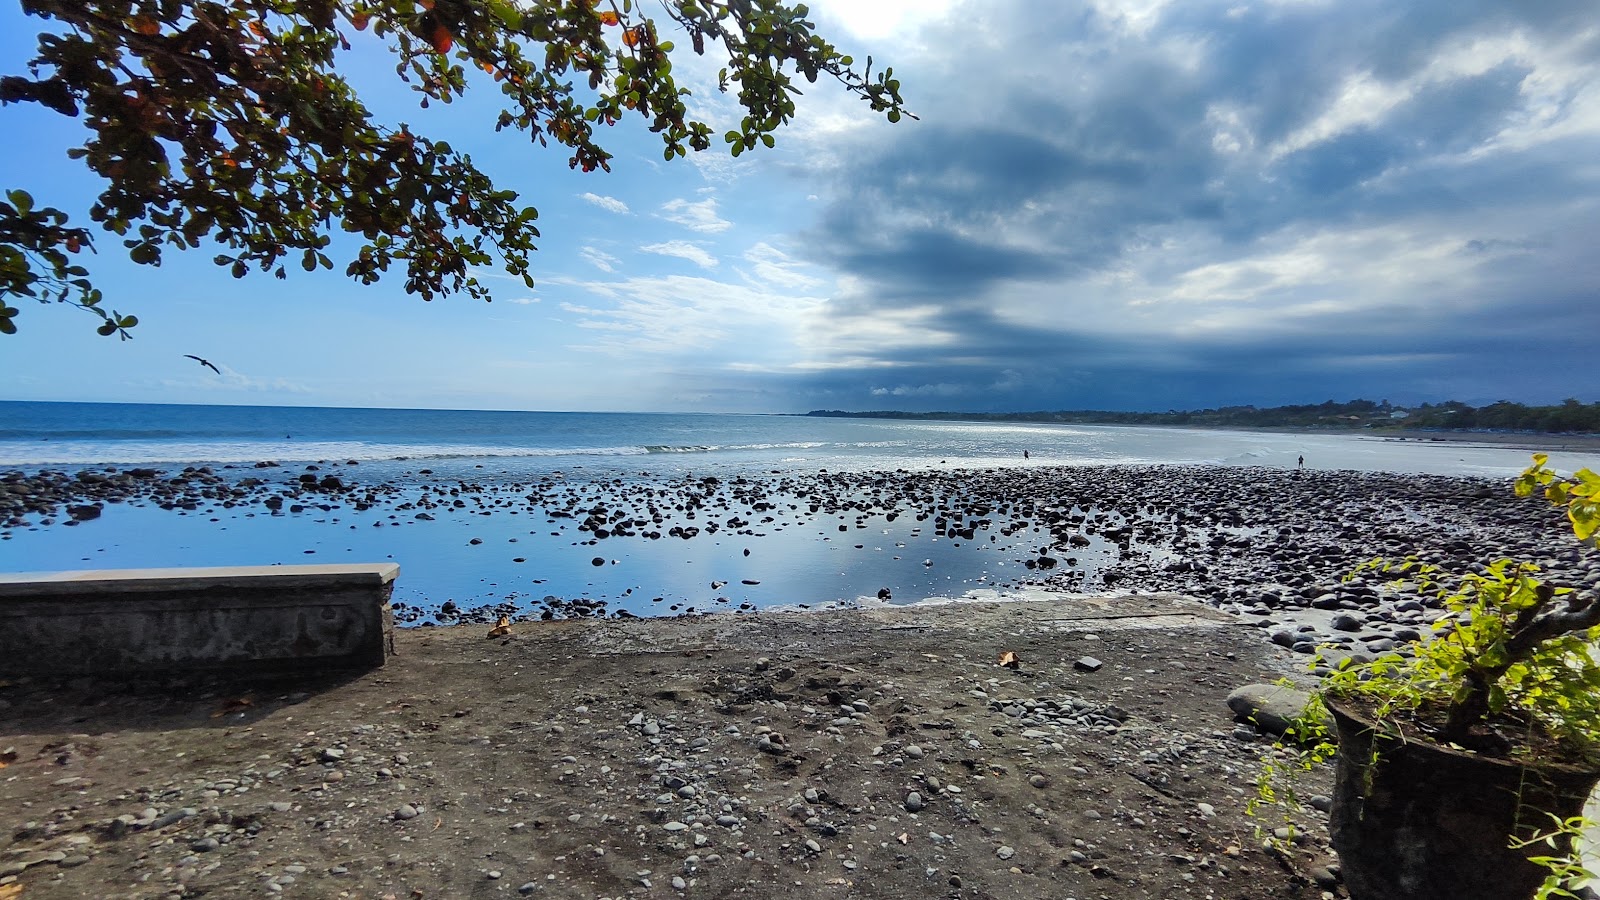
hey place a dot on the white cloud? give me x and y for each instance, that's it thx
(882, 19)
(1296, 281)
(683, 250)
(522, 301)
(701, 319)
(696, 216)
(231, 380)
(1554, 88)
(601, 260)
(774, 268)
(609, 204)
(922, 390)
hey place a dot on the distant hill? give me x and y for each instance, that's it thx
(1570, 417)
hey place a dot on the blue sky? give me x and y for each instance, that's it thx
(1140, 205)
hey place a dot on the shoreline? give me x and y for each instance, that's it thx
(1559, 441)
(1249, 541)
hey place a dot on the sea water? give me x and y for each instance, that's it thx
(34, 435)
(519, 555)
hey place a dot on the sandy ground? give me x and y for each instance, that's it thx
(867, 753)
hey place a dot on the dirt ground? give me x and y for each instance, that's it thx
(862, 753)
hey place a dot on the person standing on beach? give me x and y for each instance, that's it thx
(1301, 463)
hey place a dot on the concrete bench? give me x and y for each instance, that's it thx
(247, 618)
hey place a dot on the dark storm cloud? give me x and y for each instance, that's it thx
(1063, 156)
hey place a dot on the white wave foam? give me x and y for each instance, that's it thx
(84, 453)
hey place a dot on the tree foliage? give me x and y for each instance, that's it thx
(230, 121)
(1570, 417)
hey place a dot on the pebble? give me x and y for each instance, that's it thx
(914, 802)
(406, 812)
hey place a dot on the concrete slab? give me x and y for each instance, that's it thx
(249, 618)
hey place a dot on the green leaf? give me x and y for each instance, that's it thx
(1585, 519)
(506, 13)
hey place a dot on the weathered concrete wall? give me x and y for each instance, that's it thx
(256, 618)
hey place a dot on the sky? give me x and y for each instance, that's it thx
(1102, 205)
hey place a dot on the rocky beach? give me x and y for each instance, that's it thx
(1271, 545)
(875, 751)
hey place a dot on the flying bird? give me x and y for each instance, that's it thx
(203, 362)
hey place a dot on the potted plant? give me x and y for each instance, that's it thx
(1458, 761)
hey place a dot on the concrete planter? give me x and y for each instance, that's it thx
(260, 618)
(1416, 821)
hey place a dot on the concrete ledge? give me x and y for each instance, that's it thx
(247, 618)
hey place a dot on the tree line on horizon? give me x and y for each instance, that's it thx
(1569, 417)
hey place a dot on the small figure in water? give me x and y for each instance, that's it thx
(1301, 464)
(1024, 454)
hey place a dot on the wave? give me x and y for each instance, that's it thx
(92, 434)
(147, 452)
(666, 448)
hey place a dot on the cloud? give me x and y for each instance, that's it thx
(683, 250)
(231, 380)
(698, 216)
(601, 260)
(522, 301)
(712, 324)
(771, 266)
(922, 390)
(1217, 199)
(609, 204)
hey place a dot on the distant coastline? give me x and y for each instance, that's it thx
(1571, 425)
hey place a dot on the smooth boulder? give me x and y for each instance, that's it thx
(1270, 707)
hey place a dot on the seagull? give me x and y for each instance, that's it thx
(203, 362)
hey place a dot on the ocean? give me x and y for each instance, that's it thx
(34, 435)
(489, 482)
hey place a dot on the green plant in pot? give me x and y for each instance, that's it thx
(1457, 763)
